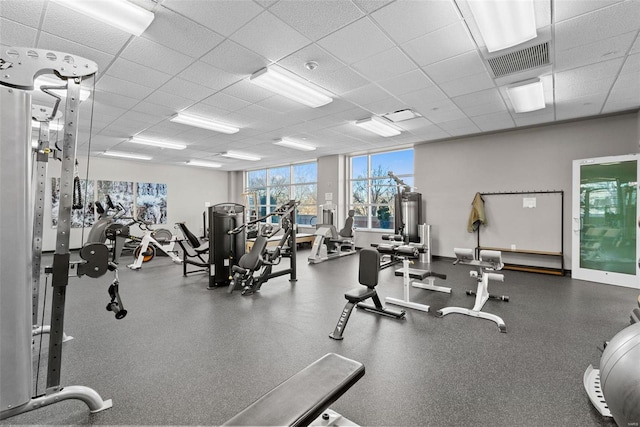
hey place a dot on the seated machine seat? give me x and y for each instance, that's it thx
(305, 396)
(251, 261)
(357, 295)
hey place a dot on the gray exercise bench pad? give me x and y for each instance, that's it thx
(302, 398)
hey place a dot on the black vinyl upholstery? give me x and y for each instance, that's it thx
(305, 396)
(368, 268)
(251, 260)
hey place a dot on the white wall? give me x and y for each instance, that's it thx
(188, 189)
(449, 173)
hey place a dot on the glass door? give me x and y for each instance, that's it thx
(606, 220)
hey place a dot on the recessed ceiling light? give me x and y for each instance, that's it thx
(203, 122)
(379, 126)
(203, 164)
(161, 144)
(527, 96)
(126, 155)
(290, 86)
(240, 156)
(504, 23)
(118, 13)
(293, 144)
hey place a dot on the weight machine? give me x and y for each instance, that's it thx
(20, 67)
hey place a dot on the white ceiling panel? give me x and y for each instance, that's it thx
(405, 20)
(181, 34)
(222, 16)
(602, 50)
(16, 34)
(611, 21)
(151, 54)
(373, 56)
(384, 65)
(136, 73)
(318, 18)
(24, 12)
(69, 24)
(356, 41)
(235, 59)
(439, 45)
(268, 36)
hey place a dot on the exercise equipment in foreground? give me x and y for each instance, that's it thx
(153, 240)
(22, 66)
(329, 243)
(260, 257)
(225, 248)
(614, 388)
(408, 253)
(489, 262)
(304, 398)
(368, 276)
(193, 251)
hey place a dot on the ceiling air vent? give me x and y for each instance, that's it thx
(520, 60)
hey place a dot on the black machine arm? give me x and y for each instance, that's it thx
(281, 211)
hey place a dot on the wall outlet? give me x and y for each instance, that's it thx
(513, 247)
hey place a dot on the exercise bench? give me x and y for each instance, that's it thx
(368, 276)
(305, 397)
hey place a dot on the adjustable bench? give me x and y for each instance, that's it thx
(305, 396)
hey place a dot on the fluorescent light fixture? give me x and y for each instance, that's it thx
(118, 13)
(126, 155)
(504, 23)
(52, 125)
(161, 144)
(293, 144)
(54, 81)
(201, 122)
(527, 97)
(291, 87)
(380, 126)
(240, 156)
(203, 164)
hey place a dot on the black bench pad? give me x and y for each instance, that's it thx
(303, 397)
(416, 273)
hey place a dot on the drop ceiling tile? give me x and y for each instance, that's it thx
(356, 41)
(488, 96)
(169, 100)
(340, 81)
(426, 133)
(366, 95)
(446, 112)
(460, 66)
(625, 94)
(459, 126)
(136, 73)
(384, 65)
(602, 24)
(371, 5)
(270, 37)
(71, 25)
(602, 50)
(49, 41)
(147, 107)
(414, 125)
(186, 89)
(583, 106)
(567, 9)
(541, 116)
(225, 102)
(15, 34)
(221, 16)
(248, 91)
(408, 82)
(384, 106)
(280, 104)
(153, 55)
(327, 71)
(406, 20)
(469, 84)
(208, 76)
(425, 98)
(494, 121)
(23, 12)
(585, 80)
(181, 34)
(439, 45)
(636, 46)
(632, 65)
(116, 100)
(235, 59)
(318, 18)
(122, 87)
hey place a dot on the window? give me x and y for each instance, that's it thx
(276, 186)
(371, 189)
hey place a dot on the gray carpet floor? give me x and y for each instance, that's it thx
(185, 355)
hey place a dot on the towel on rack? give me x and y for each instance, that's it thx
(477, 215)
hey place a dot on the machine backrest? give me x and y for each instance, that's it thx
(251, 260)
(369, 267)
(492, 257)
(193, 240)
(464, 255)
(347, 230)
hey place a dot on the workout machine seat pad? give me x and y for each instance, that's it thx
(359, 294)
(303, 397)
